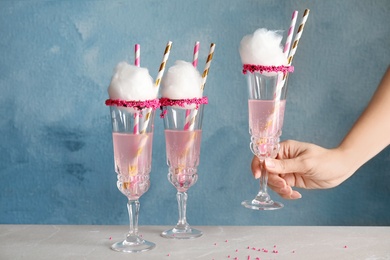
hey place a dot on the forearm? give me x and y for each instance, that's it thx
(371, 132)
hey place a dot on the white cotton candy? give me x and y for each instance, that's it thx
(131, 83)
(182, 81)
(263, 47)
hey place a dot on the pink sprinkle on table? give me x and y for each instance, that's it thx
(226, 240)
(275, 251)
(345, 246)
(110, 238)
(249, 257)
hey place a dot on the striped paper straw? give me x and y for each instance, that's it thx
(187, 120)
(163, 63)
(286, 51)
(207, 67)
(282, 79)
(190, 117)
(137, 52)
(196, 54)
(290, 33)
(298, 36)
(137, 62)
(146, 120)
(190, 144)
(157, 84)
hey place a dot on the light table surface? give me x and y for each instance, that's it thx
(217, 242)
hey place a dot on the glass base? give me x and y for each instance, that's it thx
(133, 245)
(259, 205)
(187, 233)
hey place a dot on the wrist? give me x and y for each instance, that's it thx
(350, 160)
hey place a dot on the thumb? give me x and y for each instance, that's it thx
(282, 166)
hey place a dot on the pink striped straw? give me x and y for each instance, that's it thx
(137, 52)
(137, 62)
(196, 54)
(190, 120)
(290, 33)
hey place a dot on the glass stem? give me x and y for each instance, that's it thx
(182, 203)
(263, 196)
(133, 209)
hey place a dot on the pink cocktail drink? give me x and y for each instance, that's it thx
(183, 151)
(265, 126)
(133, 159)
(266, 117)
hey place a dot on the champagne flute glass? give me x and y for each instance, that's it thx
(266, 104)
(132, 133)
(183, 133)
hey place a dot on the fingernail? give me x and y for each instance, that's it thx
(269, 163)
(257, 175)
(296, 195)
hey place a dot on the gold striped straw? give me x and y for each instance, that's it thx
(207, 67)
(281, 83)
(157, 84)
(298, 36)
(163, 63)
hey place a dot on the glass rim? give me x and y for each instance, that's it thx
(167, 102)
(139, 105)
(252, 68)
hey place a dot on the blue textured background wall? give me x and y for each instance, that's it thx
(56, 61)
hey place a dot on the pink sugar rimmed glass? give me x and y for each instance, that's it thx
(267, 93)
(183, 133)
(132, 133)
